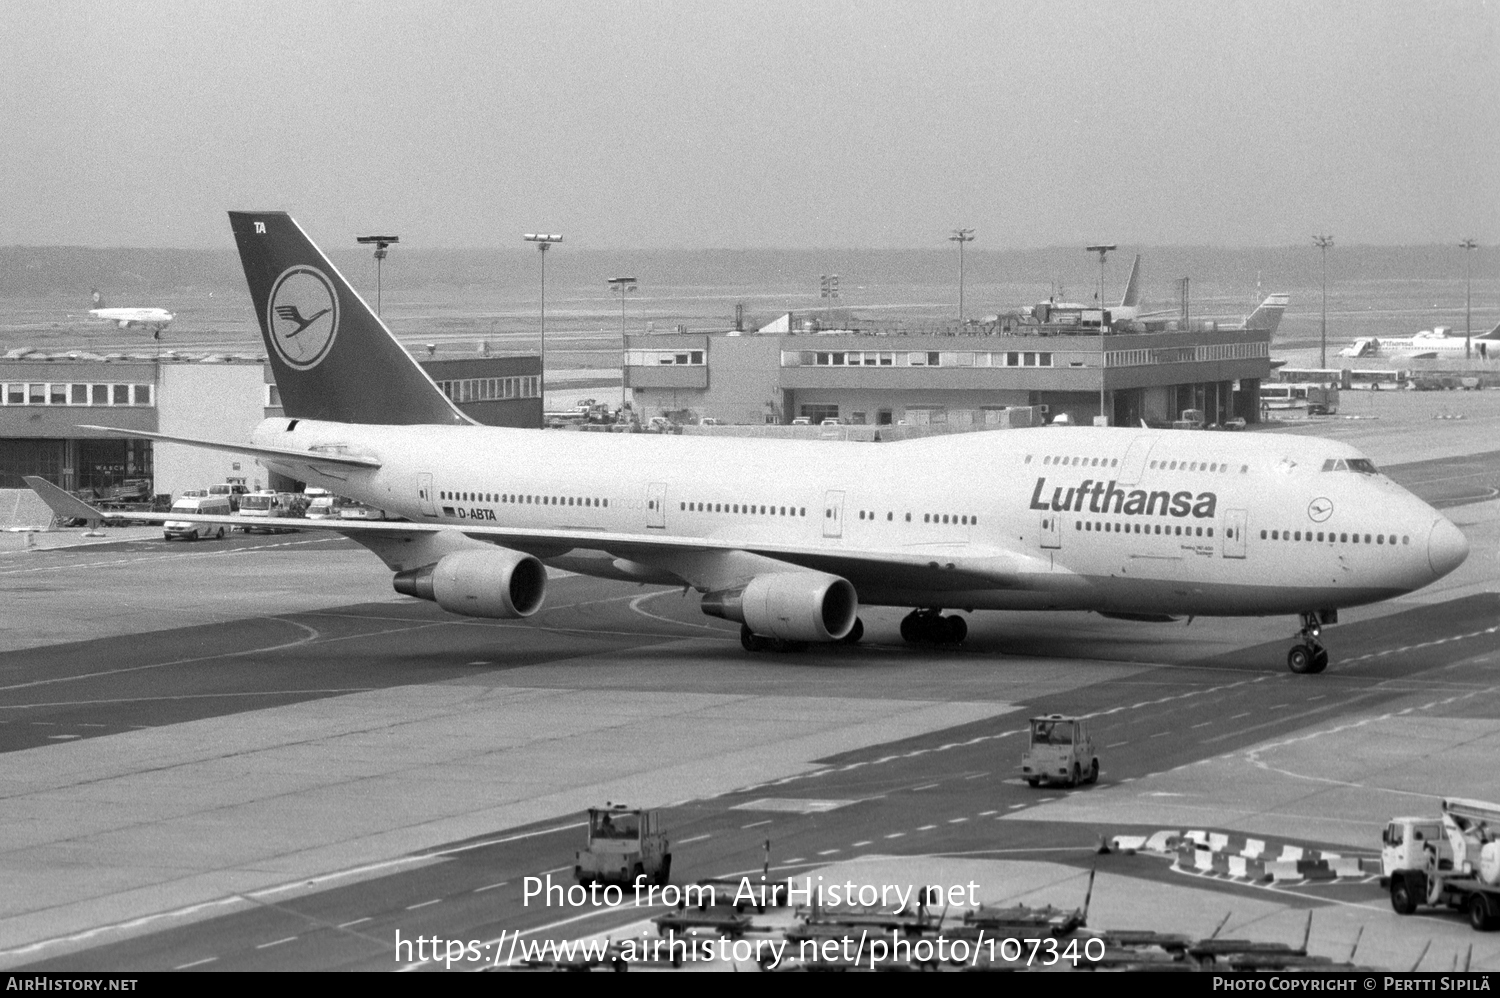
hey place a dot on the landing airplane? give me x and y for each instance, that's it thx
(787, 538)
(155, 319)
(1429, 344)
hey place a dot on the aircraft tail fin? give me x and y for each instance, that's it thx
(332, 357)
(1132, 296)
(1268, 316)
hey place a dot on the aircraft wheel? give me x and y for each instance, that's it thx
(856, 633)
(911, 630)
(1319, 660)
(751, 641)
(957, 629)
(1300, 659)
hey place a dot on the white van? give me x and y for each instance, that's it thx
(260, 508)
(203, 506)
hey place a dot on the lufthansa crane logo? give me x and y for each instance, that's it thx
(1320, 509)
(302, 316)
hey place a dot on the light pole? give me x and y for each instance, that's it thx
(381, 244)
(1103, 250)
(1466, 245)
(543, 240)
(961, 236)
(1323, 242)
(622, 286)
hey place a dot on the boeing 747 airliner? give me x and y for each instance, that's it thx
(789, 538)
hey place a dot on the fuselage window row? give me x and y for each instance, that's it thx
(1332, 538)
(1212, 467)
(529, 500)
(1112, 527)
(744, 509)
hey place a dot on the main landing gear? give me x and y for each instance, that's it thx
(751, 641)
(1309, 656)
(930, 627)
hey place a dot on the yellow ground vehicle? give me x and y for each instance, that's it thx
(624, 843)
(1061, 751)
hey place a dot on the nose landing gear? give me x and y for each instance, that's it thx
(1309, 656)
(930, 627)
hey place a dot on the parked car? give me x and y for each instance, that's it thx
(324, 507)
(353, 509)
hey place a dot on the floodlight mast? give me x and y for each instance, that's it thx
(622, 286)
(1323, 242)
(382, 243)
(1103, 250)
(543, 240)
(961, 236)
(1466, 246)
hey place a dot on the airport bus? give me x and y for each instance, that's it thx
(1318, 400)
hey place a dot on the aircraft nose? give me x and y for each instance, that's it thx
(1447, 547)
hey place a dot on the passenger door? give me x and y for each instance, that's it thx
(656, 505)
(833, 514)
(424, 494)
(1052, 529)
(1234, 533)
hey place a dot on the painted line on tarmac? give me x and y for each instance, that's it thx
(635, 605)
(311, 635)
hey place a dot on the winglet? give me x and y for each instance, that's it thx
(65, 505)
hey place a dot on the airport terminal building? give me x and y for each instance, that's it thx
(963, 379)
(44, 399)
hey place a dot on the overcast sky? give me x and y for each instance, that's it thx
(753, 124)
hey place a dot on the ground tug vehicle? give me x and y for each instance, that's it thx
(1451, 861)
(1061, 751)
(624, 843)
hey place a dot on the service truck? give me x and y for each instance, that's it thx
(1061, 751)
(624, 843)
(1450, 861)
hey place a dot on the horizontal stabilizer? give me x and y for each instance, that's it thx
(66, 505)
(254, 450)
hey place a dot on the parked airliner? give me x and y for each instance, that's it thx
(1429, 344)
(788, 538)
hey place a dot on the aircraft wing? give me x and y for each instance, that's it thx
(929, 569)
(285, 455)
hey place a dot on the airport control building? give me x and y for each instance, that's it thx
(965, 379)
(44, 398)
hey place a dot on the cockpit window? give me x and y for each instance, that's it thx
(1363, 465)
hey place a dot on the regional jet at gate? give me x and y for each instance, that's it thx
(788, 538)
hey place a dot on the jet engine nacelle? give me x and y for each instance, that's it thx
(495, 583)
(794, 606)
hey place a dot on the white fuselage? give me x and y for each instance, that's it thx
(1121, 520)
(127, 317)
